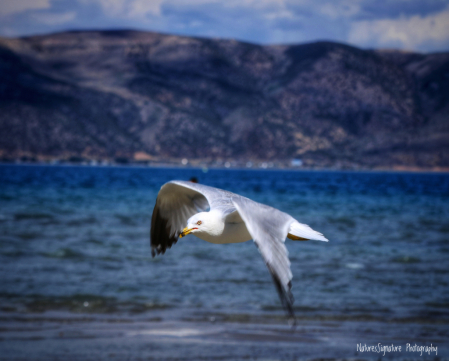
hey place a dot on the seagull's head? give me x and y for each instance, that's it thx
(204, 222)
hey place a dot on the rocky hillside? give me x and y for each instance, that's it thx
(109, 94)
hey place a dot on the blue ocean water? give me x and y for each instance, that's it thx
(77, 239)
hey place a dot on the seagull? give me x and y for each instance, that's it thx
(218, 216)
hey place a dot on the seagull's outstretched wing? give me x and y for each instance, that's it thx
(176, 202)
(269, 228)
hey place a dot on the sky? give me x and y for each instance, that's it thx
(411, 25)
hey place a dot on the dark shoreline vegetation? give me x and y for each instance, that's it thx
(205, 167)
(79, 282)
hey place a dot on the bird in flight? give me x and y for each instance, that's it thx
(218, 216)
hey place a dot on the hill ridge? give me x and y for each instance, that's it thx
(109, 94)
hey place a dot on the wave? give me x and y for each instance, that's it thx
(64, 253)
(78, 303)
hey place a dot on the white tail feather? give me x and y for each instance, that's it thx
(304, 231)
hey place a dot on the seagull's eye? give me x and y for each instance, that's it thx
(199, 223)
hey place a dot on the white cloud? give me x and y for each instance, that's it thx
(256, 4)
(341, 9)
(146, 7)
(54, 18)
(8, 7)
(280, 14)
(129, 9)
(407, 33)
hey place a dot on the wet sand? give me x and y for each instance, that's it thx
(154, 336)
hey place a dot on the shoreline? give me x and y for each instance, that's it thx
(205, 169)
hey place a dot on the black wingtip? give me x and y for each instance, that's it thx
(286, 297)
(160, 237)
(292, 323)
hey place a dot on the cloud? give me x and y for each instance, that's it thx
(342, 9)
(410, 33)
(128, 8)
(55, 18)
(8, 7)
(393, 9)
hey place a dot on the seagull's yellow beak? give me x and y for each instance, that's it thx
(186, 231)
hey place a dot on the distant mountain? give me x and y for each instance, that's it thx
(109, 94)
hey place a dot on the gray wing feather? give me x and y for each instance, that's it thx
(176, 202)
(269, 228)
(216, 198)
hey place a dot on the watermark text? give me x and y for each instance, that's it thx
(384, 349)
